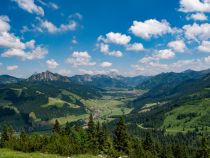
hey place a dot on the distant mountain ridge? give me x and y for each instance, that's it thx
(4, 79)
(101, 81)
(171, 78)
(164, 80)
(105, 81)
(170, 84)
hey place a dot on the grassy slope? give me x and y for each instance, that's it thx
(6, 153)
(201, 116)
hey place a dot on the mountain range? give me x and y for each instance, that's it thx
(102, 81)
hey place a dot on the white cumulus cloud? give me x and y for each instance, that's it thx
(30, 6)
(17, 48)
(52, 28)
(52, 64)
(80, 59)
(12, 67)
(117, 38)
(197, 17)
(177, 46)
(104, 48)
(150, 28)
(4, 23)
(161, 54)
(37, 53)
(194, 6)
(165, 54)
(204, 47)
(197, 32)
(136, 47)
(105, 64)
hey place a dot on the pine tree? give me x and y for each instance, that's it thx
(91, 126)
(56, 128)
(98, 131)
(67, 129)
(137, 149)
(148, 143)
(92, 133)
(104, 140)
(121, 137)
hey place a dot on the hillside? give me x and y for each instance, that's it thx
(172, 85)
(171, 79)
(6, 79)
(180, 108)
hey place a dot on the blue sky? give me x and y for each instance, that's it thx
(128, 37)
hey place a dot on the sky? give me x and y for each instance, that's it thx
(125, 37)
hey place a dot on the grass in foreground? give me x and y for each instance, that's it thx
(7, 153)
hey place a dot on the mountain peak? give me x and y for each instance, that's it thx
(48, 76)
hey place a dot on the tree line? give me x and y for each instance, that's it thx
(97, 139)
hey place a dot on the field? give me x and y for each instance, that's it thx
(6, 153)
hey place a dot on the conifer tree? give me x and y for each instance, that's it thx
(91, 132)
(121, 137)
(56, 128)
(91, 126)
(104, 140)
(67, 129)
(98, 131)
(148, 143)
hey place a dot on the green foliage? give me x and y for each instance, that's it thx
(6, 135)
(121, 137)
(97, 139)
(56, 128)
(204, 151)
(148, 143)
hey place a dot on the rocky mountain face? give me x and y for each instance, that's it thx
(48, 76)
